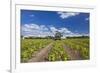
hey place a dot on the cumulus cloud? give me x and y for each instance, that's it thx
(53, 29)
(31, 26)
(42, 30)
(64, 30)
(86, 19)
(65, 15)
(32, 15)
(35, 30)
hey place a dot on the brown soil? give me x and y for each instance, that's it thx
(41, 55)
(73, 54)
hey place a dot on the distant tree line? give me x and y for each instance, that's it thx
(57, 36)
(75, 37)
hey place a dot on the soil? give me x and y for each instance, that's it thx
(42, 54)
(73, 54)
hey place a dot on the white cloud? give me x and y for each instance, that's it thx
(32, 15)
(65, 15)
(43, 27)
(42, 30)
(31, 26)
(53, 29)
(86, 19)
(35, 30)
(64, 30)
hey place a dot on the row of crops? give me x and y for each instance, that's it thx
(57, 52)
(81, 45)
(31, 46)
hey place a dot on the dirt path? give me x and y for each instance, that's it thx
(73, 54)
(41, 55)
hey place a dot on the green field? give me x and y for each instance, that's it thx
(60, 50)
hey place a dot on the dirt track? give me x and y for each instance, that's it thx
(73, 54)
(41, 55)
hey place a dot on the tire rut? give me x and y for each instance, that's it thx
(73, 54)
(41, 55)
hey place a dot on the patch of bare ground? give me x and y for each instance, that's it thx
(73, 54)
(41, 55)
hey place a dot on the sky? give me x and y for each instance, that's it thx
(46, 23)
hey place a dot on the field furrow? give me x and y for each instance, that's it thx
(73, 54)
(44, 50)
(41, 55)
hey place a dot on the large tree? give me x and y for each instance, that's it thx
(58, 35)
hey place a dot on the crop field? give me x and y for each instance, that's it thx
(51, 36)
(48, 50)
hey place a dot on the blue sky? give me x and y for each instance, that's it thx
(46, 23)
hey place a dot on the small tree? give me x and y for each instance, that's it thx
(58, 35)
